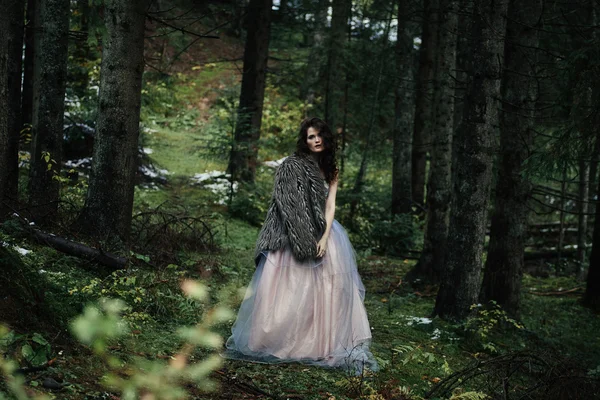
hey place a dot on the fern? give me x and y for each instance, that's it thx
(458, 394)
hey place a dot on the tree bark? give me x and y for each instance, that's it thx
(582, 207)
(561, 207)
(334, 91)
(11, 47)
(475, 145)
(50, 76)
(243, 159)
(362, 171)
(402, 135)
(424, 100)
(32, 17)
(109, 202)
(504, 265)
(591, 297)
(593, 174)
(315, 60)
(439, 188)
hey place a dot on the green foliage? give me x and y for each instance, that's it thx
(280, 124)
(29, 349)
(460, 394)
(216, 139)
(158, 96)
(146, 295)
(398, 235)
(411, 353)
(487, 321)
(251, 202)
(101, 325)
(164, 381)
(373, 228)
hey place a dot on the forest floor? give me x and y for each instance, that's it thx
(413, 351)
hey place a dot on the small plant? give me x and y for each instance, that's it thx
(411, 353)
(460, 394)
(146, 294)
(102, 324)
(30, 349)
(486, 321)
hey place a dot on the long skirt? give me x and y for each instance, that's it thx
(311, 312)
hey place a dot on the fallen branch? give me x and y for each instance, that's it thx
(28, 370)
(553, 253)
(248, 388)
(79, 250)
(558, 292)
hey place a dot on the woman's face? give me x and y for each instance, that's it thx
(314, 141)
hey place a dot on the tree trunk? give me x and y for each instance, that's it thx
(440, 168)
(362, 171)
(591, 297)
(504, 265)
(401, 163)
(344, 133)
(424, 100)
(79, 77)
(32, 17)
(593, 174)
(475, 145)
(339, 26)
(11, 48)
(583, 209)
(50, 76)
(315, 60)
(561, 207)
(243, 159)
(462, 56)
(109, 202)
(237, 18)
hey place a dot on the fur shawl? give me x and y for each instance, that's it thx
(296, 214)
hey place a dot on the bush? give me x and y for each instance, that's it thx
(251, 202)
(397, 235)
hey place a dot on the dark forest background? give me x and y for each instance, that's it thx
(138, 144)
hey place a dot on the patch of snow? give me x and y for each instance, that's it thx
(199, 178)
(151, 185)
(147, 150)
(436, 334)
(81, 163)
(417, 320)
(274, 164)
(149, 131)
(21, 250)
(218, 183)
(84, 127)
(16, 248)
(152, 172)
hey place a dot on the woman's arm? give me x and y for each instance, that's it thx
(329, 214)
(289, 196)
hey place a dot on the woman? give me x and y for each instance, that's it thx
(305, 300)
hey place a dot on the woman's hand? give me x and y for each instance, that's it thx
(321, 246)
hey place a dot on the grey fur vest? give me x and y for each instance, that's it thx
(296, 214)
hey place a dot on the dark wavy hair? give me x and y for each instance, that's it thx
(327, 160)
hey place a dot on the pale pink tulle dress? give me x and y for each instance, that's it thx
(311, 311)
